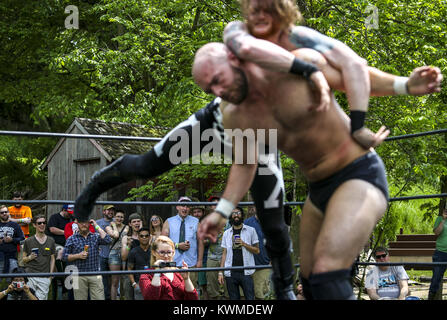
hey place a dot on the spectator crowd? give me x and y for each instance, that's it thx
(109, 244)
(62, 243)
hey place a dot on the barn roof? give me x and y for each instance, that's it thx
(112, 149)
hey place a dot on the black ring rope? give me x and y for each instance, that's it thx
(205, 269)
(415, 135)
(152, 139)
(77, 136)
(196, 203)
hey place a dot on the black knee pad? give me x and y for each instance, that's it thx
(333, 285)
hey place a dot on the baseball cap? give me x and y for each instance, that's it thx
(108, 206)
(68, 207)
(212, 198)
(182, 199)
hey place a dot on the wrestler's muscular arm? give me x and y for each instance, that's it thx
(247, 47)
(245, 162)
(423, 80)
(353, 68)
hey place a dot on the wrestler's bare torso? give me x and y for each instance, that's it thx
(320, 142)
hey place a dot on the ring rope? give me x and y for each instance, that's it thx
(74, 135)
(92, 136)
(196, 203)
(205, 269)
(415, 135)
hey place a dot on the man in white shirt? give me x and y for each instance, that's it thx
(386, 282)
(240, 243)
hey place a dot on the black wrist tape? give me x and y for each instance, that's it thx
(357, 120)
(302, 68)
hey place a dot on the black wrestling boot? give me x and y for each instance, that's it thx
(283, 276)
(101, 181)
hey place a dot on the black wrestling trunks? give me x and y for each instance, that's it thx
(368, 167)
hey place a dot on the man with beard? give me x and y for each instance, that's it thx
(20, 213)
(348, 190)
(240, 243)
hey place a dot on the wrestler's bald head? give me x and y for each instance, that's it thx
(217, 71)
(206, 57)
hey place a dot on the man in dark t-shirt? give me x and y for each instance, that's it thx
(139, 259)
(57, 223)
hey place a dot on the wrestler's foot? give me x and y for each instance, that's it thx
(101, 181)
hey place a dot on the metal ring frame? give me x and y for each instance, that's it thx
(152, 139)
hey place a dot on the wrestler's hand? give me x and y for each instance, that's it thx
(368, 139)
(323, 88)
(424, 80)
(210, 226)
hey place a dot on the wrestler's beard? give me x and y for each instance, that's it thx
(239, 89)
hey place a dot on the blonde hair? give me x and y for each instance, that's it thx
(154, 246)
(286, 11)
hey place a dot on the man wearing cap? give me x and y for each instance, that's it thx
(57, 223)
(55, 229)
(108, 212)
(182, 229)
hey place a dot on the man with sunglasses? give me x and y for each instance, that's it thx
(10, 236)
(139, 259)
(39, 257)
(386, 282)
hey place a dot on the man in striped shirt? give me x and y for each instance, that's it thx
(82, 251)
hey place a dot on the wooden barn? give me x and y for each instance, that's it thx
(73, 161)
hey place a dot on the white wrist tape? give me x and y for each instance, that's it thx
(400, 85)
(224, 207)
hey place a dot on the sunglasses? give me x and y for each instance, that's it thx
(4, 211)
(144, 235)
(40, 223)
(380, 256)
(164, 253)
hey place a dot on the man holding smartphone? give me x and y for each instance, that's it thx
(139, 259)
(240, 243)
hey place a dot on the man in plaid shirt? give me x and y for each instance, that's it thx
(82, 251)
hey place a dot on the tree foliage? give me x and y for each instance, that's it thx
(130, 60)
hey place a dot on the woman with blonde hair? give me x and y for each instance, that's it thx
(166, 285)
